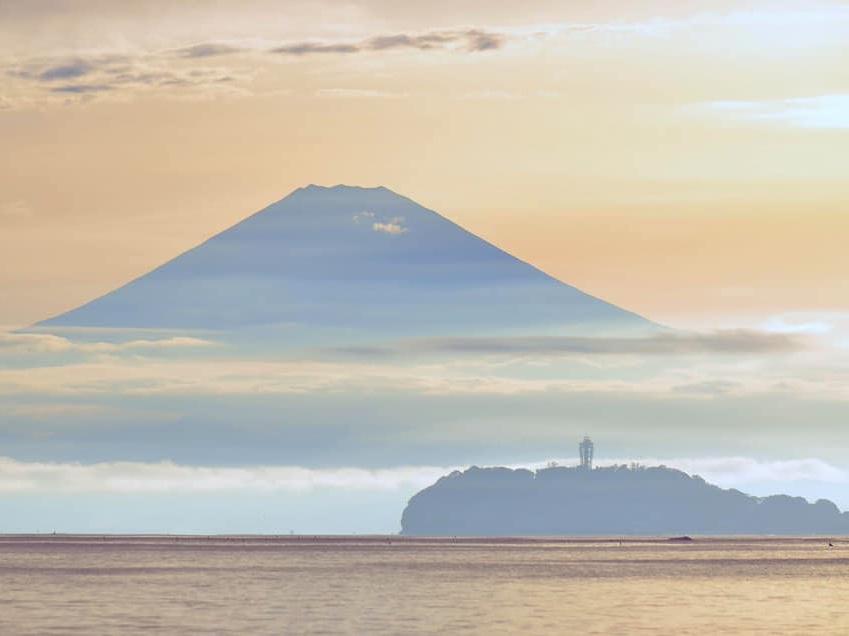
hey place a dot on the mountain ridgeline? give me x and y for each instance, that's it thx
(353, 258)
(616, 500)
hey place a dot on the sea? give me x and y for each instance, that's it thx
(58, 584)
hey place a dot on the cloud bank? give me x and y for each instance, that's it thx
(672, 343)
(168, 477)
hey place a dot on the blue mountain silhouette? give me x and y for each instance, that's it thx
(352, 258)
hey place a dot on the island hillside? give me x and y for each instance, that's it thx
(619, 500)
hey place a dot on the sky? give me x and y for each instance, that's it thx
(683, 160)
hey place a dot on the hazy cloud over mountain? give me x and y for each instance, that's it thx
(670, 343)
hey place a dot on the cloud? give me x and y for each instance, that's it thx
(43, 343)
(207, 49)
(122, 74)
(178, 71)
(730, 342)
(50, 365)
(484, 41)
(799, 325)
(728, 471)
(68, 71)
(820, 112)
(167, 477)
(81, 89)
(110, 374)
(394, 226)
(469, 40)
(310, 48)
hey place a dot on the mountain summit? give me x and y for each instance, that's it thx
(352, 258)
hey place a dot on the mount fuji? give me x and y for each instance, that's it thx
(352, 259)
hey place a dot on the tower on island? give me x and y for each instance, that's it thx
(585, 450)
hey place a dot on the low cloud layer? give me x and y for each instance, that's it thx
(731, 471)
(733, 342)
(42, 343)
(168, 477)
(664, 366)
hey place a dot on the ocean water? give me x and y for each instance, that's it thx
(390, 585)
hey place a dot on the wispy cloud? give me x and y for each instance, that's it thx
(818, 112)
(786, 324)
(312, 48)
(394, 226)
(81, 89)
(185, 71)
(207, 49)
(87, 77)
(467, 40)
(68, 71)
(731, 342)
(43, 343)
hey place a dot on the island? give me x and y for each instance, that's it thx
(605, 501)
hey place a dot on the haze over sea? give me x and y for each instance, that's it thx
(391, 585)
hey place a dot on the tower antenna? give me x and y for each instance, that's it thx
(585, 450)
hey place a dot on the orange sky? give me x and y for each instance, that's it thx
(686, 162)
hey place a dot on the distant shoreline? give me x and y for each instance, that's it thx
(383, 539)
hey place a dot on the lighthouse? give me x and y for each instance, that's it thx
(585, 450)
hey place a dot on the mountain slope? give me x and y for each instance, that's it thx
(346, 257)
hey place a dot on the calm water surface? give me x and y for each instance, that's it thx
(291, 585)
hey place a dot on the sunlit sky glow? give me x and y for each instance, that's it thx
(686, 161)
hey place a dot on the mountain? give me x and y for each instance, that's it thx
(347, 258)
(605, 501)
